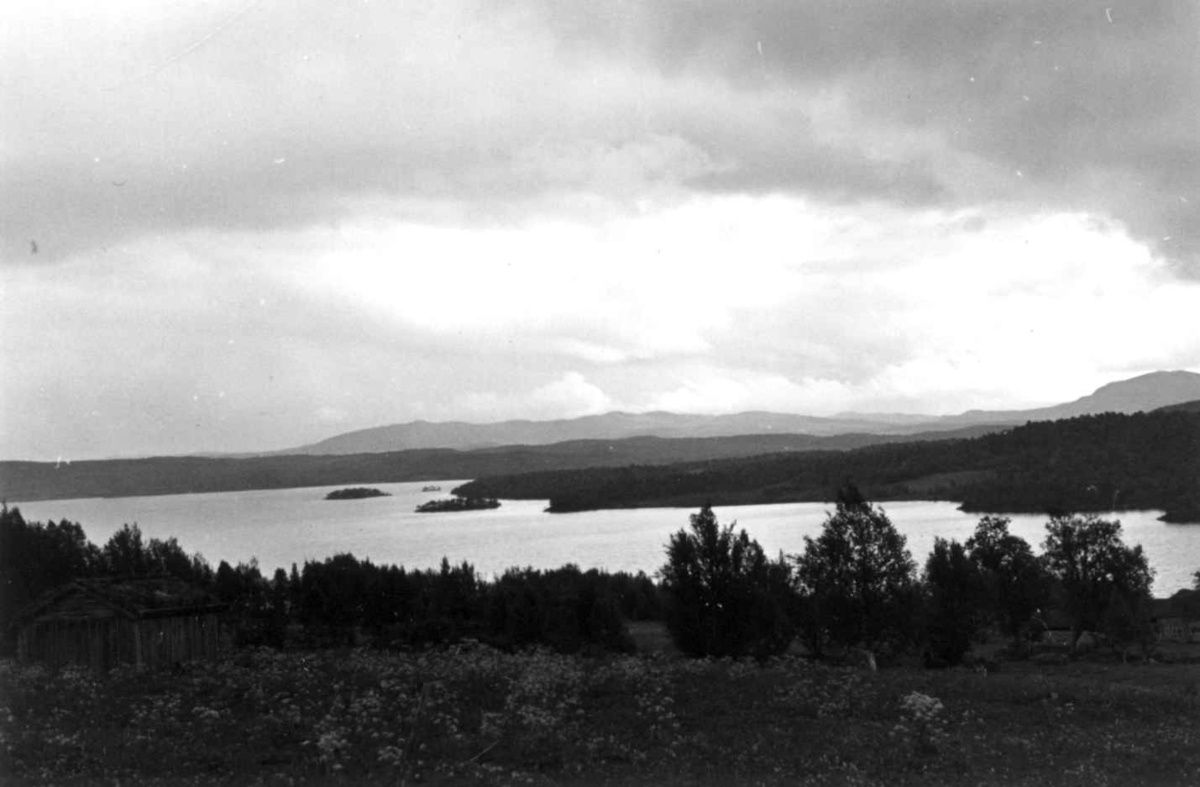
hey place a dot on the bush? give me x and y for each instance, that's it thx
(565, 609)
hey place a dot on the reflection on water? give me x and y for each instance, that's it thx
(285, 526)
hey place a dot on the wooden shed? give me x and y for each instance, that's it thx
(103, 623)
(1177, 619)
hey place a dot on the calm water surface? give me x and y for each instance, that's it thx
(284, 526)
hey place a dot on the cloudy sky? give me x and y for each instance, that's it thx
(250, 225)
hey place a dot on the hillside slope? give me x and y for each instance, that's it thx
(1144, 393)
(1090, 463)
(24, 481)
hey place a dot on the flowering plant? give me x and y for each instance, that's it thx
(922, 721)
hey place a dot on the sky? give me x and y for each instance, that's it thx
(240, 226)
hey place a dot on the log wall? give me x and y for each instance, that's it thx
(102, 643)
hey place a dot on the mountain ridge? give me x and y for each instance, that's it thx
(26, 481)
(1141, 393)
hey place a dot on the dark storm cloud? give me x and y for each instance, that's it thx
(1093, 105)
(286, 117)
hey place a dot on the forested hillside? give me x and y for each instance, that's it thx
(25, 481)
(1091, 463)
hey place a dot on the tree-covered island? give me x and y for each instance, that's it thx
(355, 493)
(458, 504)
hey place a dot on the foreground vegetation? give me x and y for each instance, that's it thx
(473, 715)
(348, 672)
(855, 586)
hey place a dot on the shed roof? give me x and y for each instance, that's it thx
(1184, 604)
(133, 599)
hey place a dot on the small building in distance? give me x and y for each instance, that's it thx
(1177, 619)
(104, 623)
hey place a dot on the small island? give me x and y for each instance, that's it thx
(458, 504)
(355, 493)
(431, 489)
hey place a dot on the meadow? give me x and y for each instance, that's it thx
(472, 715)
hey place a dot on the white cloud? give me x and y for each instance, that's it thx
(1044, 305)
(712, 389)
(714, 304)
(588, 351)
(572, 394)
(331, 415)
(569, 396)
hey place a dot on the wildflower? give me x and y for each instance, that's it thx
(923, 721)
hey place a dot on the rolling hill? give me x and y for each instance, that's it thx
(1144, 393)
(170, 475)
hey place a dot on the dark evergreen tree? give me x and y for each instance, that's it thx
(125, 553)
(277, 602)
(35, 558)
(168, 558)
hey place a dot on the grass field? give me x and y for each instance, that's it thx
(477, 716)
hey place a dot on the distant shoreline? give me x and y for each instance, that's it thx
(1090, 464)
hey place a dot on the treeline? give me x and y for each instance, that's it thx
(195, 474)
(1090, 463)
(173, 475)
(856, 589)
(342, 599)
(36, 557)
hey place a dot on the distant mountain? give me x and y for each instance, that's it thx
(756, 434)
(609, 426)
(1144, 393)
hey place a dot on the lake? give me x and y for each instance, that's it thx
(284, 526)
